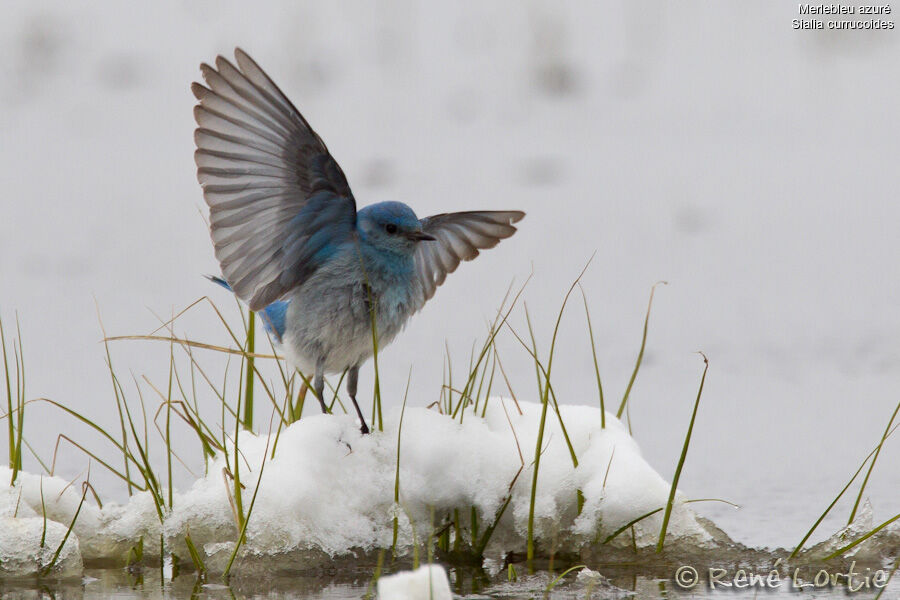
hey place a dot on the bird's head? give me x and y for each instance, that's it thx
(391, 226)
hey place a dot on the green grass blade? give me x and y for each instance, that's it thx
(144, 467)
(373, 583)
(78, 416)
(396, 524)
(119, 401)
(43, 514)
(15, 414)
(529, 548)
(168, 436)
(465, 400)
(63, 437)
(36, 455)
(376, 391)
(478, 549)
(449, 379)
(20, 388)
(494, 330)
(208, 442)
(236, 475)
(533, 350)
(547, 386)
(640, 357)
(135, 553)
(83, 419)
(508, 387)
(195, 555)
(631, 523)
(559, 577)
(335, 396)
(587, 313)
(684, 451)
(251, 371)
(246, 519)
(824, 514)
(490, 385)
(862, 488)
(84, 491)
(637, 520)
(9, 405)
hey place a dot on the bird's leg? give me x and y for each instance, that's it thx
(319, 384)
(352, 379)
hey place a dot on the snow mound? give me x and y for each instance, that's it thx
(327, 490)
(102, 535)
(425, 583)
(28, 543)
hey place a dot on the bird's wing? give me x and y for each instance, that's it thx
(279, 203)
(457, 237)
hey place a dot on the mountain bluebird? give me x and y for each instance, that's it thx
(292, 244)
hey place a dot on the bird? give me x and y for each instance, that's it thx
(328, 278)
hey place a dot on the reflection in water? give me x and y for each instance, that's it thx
(646, 576)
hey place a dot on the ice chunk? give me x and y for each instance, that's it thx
(27, 549)
(425, 583)
(881, 545)
(103, 534)
(589, 576)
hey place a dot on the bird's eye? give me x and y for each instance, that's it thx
(390, 228)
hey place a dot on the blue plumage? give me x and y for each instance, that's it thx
(272, 316)
(291, 242)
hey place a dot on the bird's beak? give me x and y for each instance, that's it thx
(419, 236)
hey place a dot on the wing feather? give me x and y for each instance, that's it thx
(458, 237)
(279, 202)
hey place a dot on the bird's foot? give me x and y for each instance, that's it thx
(364, 428)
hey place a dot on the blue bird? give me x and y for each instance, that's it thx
(291, 242)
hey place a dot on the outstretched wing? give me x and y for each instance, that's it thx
(278, 202)
(457, 237)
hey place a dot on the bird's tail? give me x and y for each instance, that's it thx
(273, 316)
(219, 281)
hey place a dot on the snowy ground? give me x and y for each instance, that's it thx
(320, 491)
(750, 165)
(328, 491)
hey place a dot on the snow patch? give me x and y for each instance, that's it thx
(425, 583)
(329, 491)
(27, 548)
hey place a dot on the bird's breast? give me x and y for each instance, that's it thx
(331, 313)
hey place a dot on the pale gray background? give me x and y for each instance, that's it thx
(752, 166)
